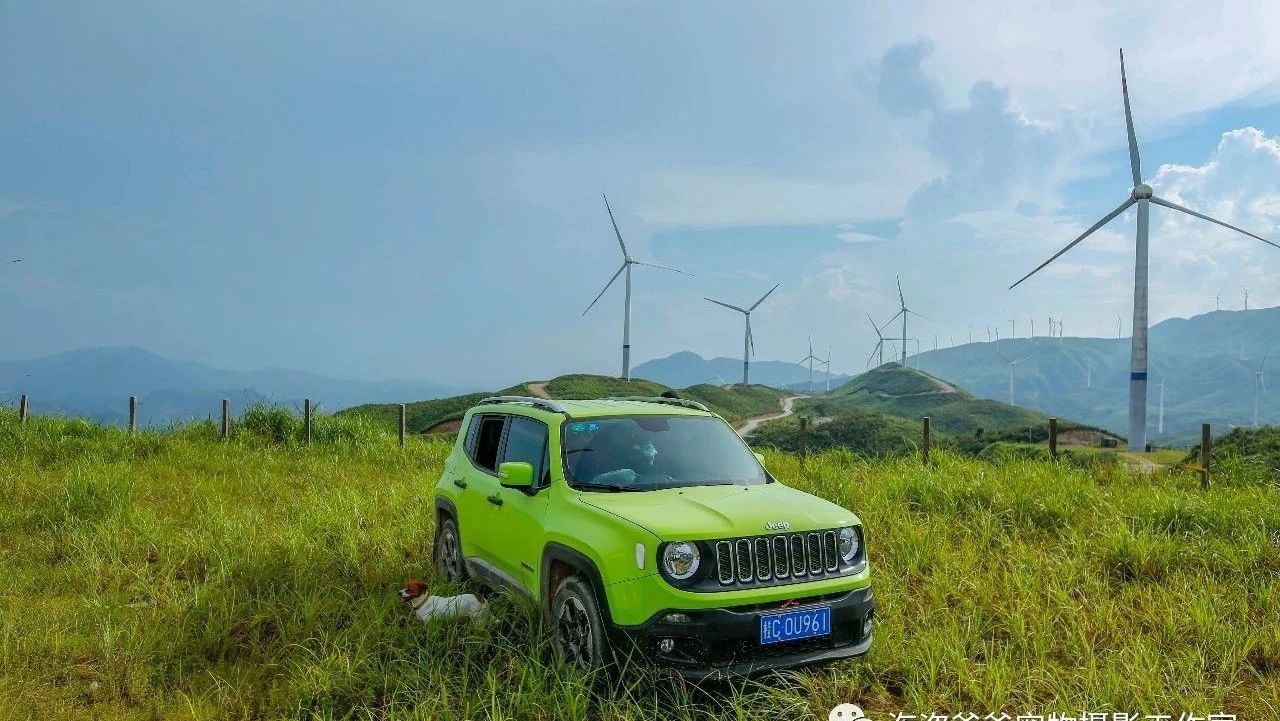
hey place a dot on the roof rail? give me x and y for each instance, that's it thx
(545, 404)
(682, 402)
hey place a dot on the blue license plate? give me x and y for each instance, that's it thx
(795, 625)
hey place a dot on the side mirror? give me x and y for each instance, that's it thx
(516, 474)
(759, 457)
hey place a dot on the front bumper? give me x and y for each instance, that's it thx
(724, 642)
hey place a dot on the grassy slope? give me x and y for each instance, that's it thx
(913, 394)
(872, 435)
(173, 576)
(734, 404)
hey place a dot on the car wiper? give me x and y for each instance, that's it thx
(616, 487)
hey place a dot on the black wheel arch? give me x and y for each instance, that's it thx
(445, 507)
(559, 555)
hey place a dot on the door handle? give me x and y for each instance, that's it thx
(495, 499)
(459, 483)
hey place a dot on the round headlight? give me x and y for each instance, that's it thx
(680, 560)
(848, 544)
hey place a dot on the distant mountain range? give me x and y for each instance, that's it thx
(1208, 364)
(683, 369)
(96, 383)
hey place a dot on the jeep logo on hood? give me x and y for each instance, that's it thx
(777, 526)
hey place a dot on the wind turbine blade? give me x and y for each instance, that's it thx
(734, 307)
(1106, 219)
(1202, 216)
(920, 315)
(1002, 356)
(901, 299)
(751, 338)
(766, 295)
(606, 287)
(616, 232)
(887, 322)
(876, 328)
(662, 267)
(1135, 163)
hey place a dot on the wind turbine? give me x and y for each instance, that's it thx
(1246, 307)
(810, 359)
(1217, 301)
(904, 311)
(748, 342)
(1143, 196)
(827, 365)
(1119, 327)
(627, 262)
(1160, 426)
(1011, 363)
(1259, 386)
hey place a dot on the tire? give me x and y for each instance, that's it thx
(577, 626)
(448, 552)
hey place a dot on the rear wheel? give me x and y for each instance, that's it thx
(448, 551)
(578, 626)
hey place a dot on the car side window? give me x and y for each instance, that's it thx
(527, 442)
(488, 439)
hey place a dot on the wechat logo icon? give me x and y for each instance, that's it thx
(846, 712)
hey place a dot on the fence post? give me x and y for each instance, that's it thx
(133, 414)
(1206, 442)
(306, 419)
(226, 418)
(1053, 438)
(22, 410)
(924, 447)
(804, 439)
(402, 415)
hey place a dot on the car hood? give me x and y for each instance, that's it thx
(706, 512)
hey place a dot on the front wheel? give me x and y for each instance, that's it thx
(578, 626)
(448, 552)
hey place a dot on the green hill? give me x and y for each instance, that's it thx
(734, 403)
(1208, 364)
(912, 394)
(873, 435)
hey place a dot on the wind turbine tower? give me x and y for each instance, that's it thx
(748, 341)
(1160, 426)
(1143, 196)
(810, 359)
(627, 262)
(1012, 364)
(1259, 387)
(904, 311)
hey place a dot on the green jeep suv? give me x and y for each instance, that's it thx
(646, 526)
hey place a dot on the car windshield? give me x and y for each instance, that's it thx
(645, 453)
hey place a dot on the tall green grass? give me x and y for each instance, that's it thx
(173, 575)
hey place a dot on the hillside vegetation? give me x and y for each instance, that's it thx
(171, 575)
(872, 435)
(912, 394)
(1208, 363)
(1257, 448)
(734, 403)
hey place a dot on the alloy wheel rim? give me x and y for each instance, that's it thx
(450, 554)
(574, 634)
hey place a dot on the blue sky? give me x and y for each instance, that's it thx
(413, 190)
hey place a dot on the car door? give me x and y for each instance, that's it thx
(478, 480)
(518, 522)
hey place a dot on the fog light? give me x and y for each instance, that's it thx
(667, 645)
(677, 618)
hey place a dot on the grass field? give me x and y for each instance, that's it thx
(170, 575)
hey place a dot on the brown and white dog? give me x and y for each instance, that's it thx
(427, 607)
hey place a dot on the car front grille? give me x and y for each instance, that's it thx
(781, 558)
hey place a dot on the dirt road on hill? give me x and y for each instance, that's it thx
(755, 422)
